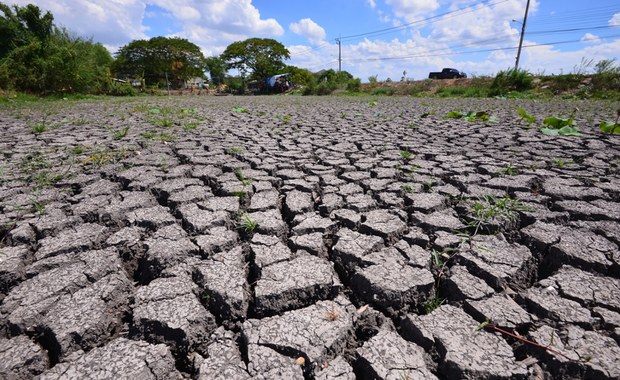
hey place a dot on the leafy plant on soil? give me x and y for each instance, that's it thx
(240, 110)
(406, 155)
(190, 126)
(407, 188)
(611, 128)
(233, 150)
(241, 177)
(557, 126)
(246, 223)
(489, 207)
(483, 116)
(509, 170)
(525, 116)
(120, 133)
(432, 303)
(372, 103)
(38, 128)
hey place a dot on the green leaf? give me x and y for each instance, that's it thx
(569, 131)
(610, 128)
(154, 110)
(556, 122)
(240, 110)
(372, 103)
(454, 115)
(550, 131)
(525, 116)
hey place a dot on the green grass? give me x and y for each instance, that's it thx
(246, 223)
(120, 133)
(38, 128)
(406, 155)
(432, 304)
(489, 207)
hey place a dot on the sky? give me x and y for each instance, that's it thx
(393, 39)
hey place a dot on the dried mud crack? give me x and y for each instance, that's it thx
(307, 238)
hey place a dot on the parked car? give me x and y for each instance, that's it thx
(447, 73)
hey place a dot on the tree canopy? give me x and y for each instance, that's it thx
(257, 57)
(37, 56)
(153, 59)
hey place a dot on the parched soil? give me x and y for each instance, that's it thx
(307, 238)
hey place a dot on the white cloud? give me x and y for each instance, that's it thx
(309, 29)
(615, 20)
(210, 24)
(591, 38)
(412, 10)
(371, 3)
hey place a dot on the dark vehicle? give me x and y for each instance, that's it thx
(447, 74)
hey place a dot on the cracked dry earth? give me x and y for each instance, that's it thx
(307, 238)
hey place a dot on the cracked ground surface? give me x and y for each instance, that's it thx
(307, 238)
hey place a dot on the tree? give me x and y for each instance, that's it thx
(153, 59)
(300, 76)
(258, 57)
(40, 57)
(217, 69)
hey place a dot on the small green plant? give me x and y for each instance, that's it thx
(611, 128)
(406, 155)
(241, 177)
(372, 103)
(190, 126)
(407, 188)
(149, 135)
(165, 122)
(233, 150)
(38, 128)
(509, 170)
(432, 303)
(557, 126)
(247, 223)
(166, 137)
(489, 207)
(120, 133)
(240, 110)
(39, 207)
(483, 116)
(241, 194)
(77, 150)
(525, 116)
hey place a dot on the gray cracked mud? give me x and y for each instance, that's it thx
(343, 241)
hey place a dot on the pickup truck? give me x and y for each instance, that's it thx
(447, 74)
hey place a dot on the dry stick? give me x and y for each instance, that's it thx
(525, 340)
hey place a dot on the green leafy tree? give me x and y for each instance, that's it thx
(257, 57)
(300, 76)
(153, 59)
(40, 57)
(217, 69)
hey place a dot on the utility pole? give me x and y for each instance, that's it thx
(527, 7)
(339, 54)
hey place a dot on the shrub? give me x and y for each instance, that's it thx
(122, 89)
(354, 85)
(511, 80)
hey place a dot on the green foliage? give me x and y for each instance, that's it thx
(511, 80)
(406, 155)
(246, 223)
(299, 76)
(354, 85)
(610, 128)
(525, 116)
(472, 116)
(257, 57)
(120, 133)
(38, 128)
(153, 59)
(509, 170)
(432, 303)
(240, 110)
(489, 207)
(42, 58)
(556, 126)
(217, 69)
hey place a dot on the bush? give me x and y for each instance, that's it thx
(122, 89)
(511, 80)
(354, 85)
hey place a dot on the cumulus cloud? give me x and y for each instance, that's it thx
(412, 10)
(371, 3)
(208, 23)
(615, 20)
(591, 38)
(309, 29)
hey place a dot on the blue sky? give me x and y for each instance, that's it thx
(379, 37)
